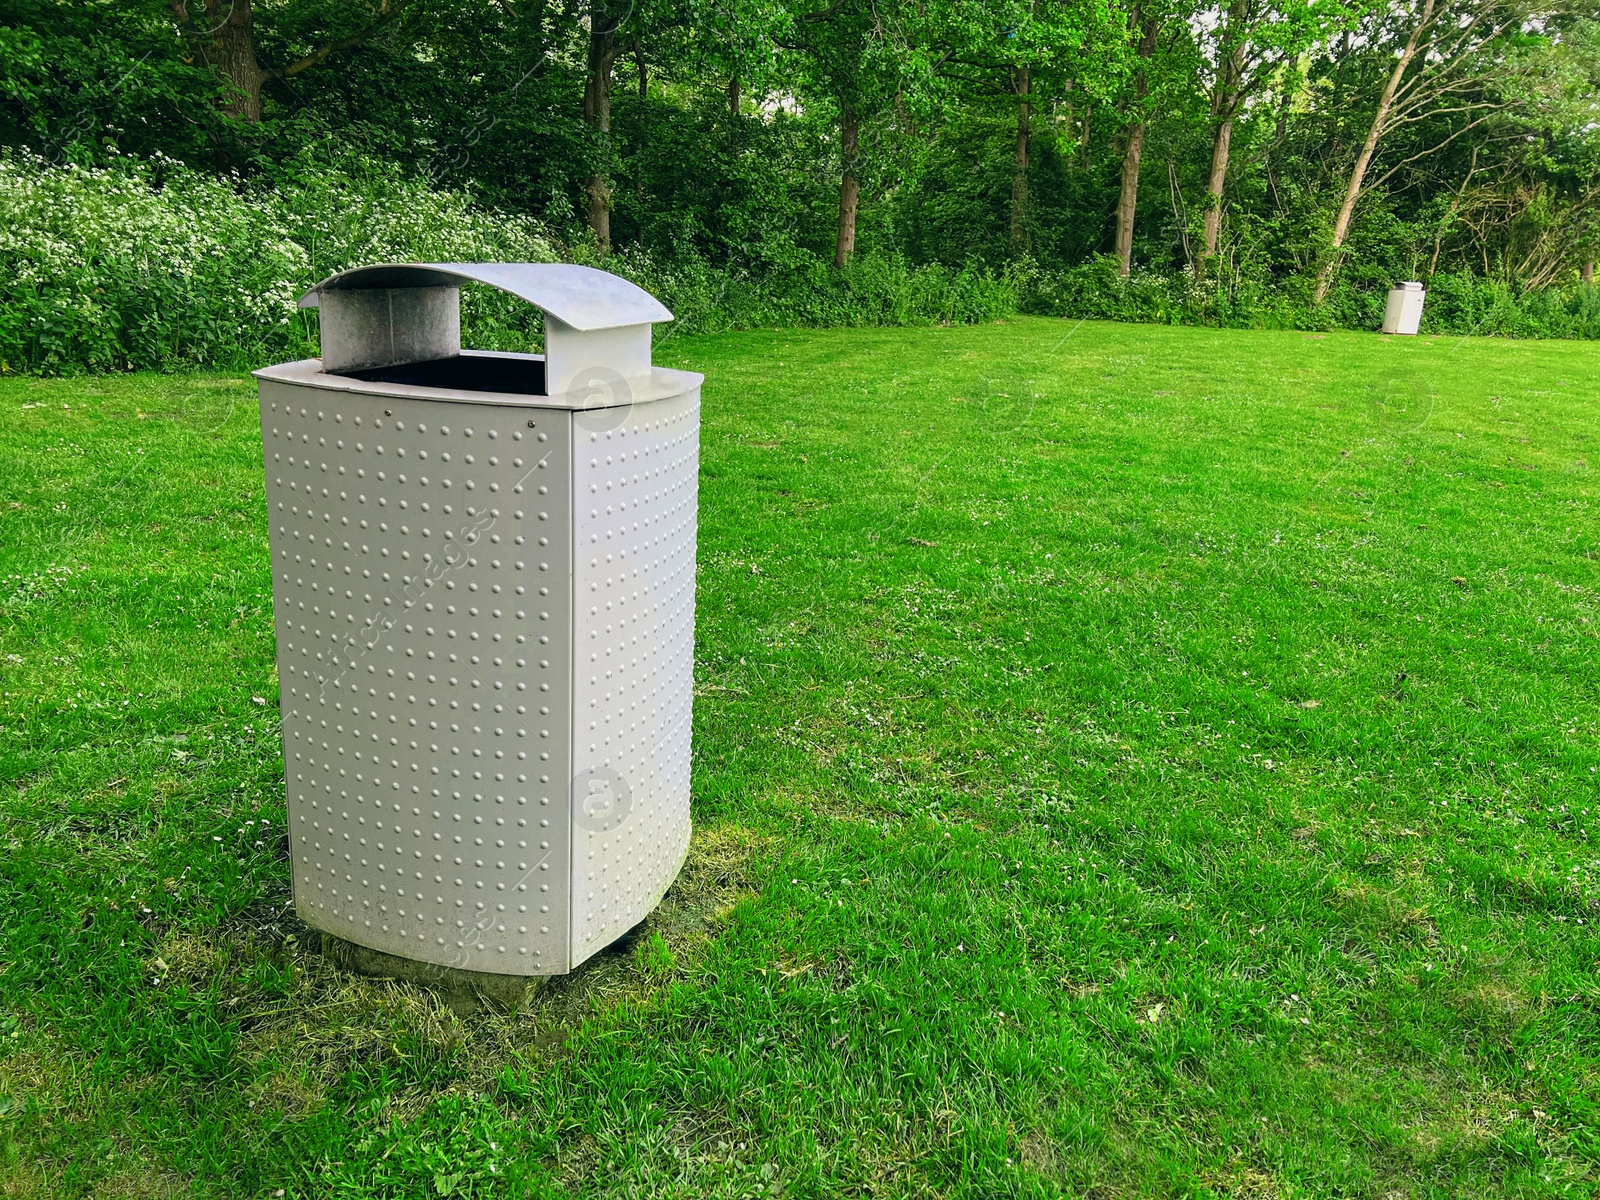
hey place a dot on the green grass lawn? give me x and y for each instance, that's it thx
(1130, 761)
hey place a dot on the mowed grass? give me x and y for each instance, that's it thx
(1129, 762)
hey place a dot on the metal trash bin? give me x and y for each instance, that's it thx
(483, 571)
(1403, 313)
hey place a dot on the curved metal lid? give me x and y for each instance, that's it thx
(582, 297)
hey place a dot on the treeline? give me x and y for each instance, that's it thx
(1235, 161)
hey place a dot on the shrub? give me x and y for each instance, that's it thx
(874, 289)
(1468, 304)
(149, 264)
(1457, 303)
(107, 268)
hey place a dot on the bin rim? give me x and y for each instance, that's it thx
(662, 383)
(584, 298)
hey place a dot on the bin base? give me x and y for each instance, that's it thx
(464, 992)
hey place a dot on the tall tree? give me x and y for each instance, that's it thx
(869, 57)
(1025, 50)
(1449, 55)
(1226, 96)
(849, 181)
(1249, 46)
(605, 18)
(223, 34)
(849, 58)
(1147, 23)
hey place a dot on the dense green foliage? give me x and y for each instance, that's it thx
(1458, 303)
(156, 266)
(710, 150)
(1128, 761)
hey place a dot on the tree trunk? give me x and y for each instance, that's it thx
(849, 183)
(733, 94)
(597, 112)
(227, 45)
(1586, 272)
(644, 75)
(1128, 199)
(1214, 185)
(1021, 239)
(1224, 108)
(1358, 174)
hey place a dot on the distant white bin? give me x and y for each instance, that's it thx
(483, 573)
(1403, 313)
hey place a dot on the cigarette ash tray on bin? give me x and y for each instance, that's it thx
(483, 571)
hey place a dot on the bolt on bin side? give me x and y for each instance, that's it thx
(483, 571)
(1403, 312)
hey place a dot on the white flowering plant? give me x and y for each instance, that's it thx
(147, 264)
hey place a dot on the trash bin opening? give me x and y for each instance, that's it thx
(472, 372)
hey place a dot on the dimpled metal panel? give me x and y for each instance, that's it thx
(634, 521)
(421, 576)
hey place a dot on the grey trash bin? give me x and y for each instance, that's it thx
(483, 571)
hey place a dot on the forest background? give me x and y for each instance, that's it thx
(176, 173)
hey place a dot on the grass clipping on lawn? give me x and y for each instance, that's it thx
(1129, 761)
